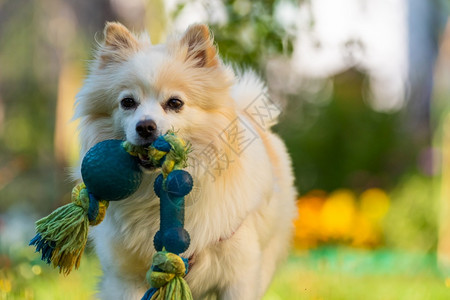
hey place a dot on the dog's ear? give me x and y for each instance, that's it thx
(119, 44)
(200, 46)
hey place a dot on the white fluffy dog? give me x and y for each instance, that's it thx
(240, 213)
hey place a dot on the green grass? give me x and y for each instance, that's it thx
(326, 273)
(35, 280)
(331, 273)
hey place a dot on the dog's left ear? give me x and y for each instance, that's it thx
(200, 46)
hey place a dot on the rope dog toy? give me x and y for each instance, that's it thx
(110, 172)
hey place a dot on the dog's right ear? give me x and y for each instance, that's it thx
(119, 44)
(200, 46)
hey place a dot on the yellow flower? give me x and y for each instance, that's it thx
(307, 225)
(374, 204)
(365, 233)
(337, 215)
(338, 218)
(5, 285)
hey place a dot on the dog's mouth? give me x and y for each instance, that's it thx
(141, 152)
(145, 162)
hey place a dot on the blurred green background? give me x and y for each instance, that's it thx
(365, 87)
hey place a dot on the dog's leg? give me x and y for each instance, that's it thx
(123, 272)
(244, 267)
(275, 251)
(246, 286)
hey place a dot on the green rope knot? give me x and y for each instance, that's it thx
(166, 277)
(168, 151)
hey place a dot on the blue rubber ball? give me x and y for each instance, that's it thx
(109, 172)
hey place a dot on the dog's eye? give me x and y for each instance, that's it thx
(128, 103)
(174, 103)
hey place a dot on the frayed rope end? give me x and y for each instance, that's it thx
(61, 237)
(166, 278)
(43, 246)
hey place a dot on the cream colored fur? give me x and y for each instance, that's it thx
(240, 217)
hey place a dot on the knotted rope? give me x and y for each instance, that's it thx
(166, 277)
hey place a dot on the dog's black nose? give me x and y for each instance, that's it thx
(146, 128)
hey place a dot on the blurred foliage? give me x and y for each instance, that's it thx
(412, 222)
(30, 56)
(27, 128)
(251, 34)
(336, 140)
